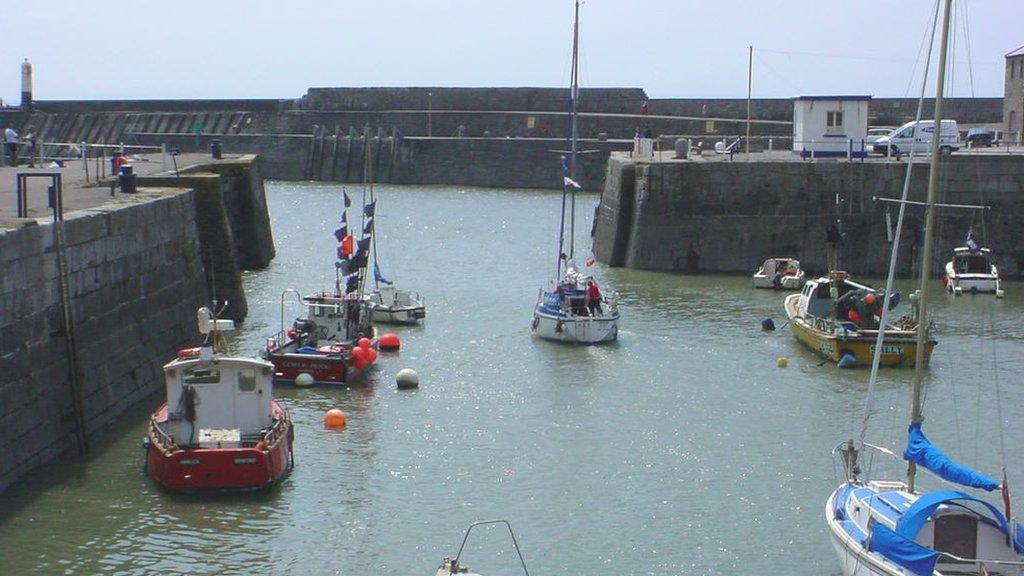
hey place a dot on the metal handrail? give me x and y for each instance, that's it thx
(511, 533)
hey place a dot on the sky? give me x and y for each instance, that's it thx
(671, 48)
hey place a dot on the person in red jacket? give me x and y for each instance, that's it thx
(593, 298)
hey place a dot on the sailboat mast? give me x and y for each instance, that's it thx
(574, 96)
(929, 236)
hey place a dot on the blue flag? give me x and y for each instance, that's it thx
(368, 209)
(348, 201)
(368, 227)
(380, 277)
(344, 217)
(340, 233)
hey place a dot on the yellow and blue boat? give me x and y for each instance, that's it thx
(837, 318)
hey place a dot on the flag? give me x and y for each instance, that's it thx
(368, 209)
(972, 244)
(343, 267)
(340, 233)
(380, 277)
(351, 284)
(570, 183)
(345, 248)
(363, 247)
(368, 227)
(348, 201)
(344, 217)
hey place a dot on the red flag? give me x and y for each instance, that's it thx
(345, 248)
(1006, 495)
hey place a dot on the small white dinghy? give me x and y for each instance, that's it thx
(971, 270)
(392, 306)
(451, 567)
(780, 274)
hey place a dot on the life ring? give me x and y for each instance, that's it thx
(187, 353)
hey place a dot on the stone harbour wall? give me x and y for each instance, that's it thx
(693, 216)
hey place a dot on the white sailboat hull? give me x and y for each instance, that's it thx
(854, 560)
(577, 329)
(387, 315)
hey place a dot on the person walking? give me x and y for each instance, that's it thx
(11, 145)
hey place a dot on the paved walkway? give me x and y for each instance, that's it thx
(79, 193)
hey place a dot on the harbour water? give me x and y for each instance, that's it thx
(680, 449)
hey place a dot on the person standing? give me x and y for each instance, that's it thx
(30, 145)
(11, 145)
(593, 298)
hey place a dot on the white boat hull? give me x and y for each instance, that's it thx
(578, 329)
(854, 560)
(385, 315)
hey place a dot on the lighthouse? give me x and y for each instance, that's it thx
(26, 85)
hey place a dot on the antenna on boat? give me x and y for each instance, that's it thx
(569, 180)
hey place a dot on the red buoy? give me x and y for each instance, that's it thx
(388, 341)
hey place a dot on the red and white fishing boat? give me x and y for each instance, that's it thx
(334, 344)
(220, 428)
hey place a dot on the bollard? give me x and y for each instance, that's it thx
(127, 180)
(215, 150)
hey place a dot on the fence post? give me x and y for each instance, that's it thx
(163, 157)
(85, 160)
(849, 149)
(770, 144)
(812, 148)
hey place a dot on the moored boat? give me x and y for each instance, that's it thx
(220, 427)
(971, 270)
(392, 306)
(334, 343)
(838, 319)
(780, 274)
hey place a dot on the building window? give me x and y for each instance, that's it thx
(834, 122)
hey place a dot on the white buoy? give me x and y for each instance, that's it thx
(407, 378)
(304, 379)
(1000, 293)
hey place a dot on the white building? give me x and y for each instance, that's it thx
(830, 125)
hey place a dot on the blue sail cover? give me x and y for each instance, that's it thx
(907, 553)
(924, 453)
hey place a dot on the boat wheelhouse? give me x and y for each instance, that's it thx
(780, 274)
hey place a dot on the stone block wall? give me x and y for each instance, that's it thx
(135, 282)
(729, 216)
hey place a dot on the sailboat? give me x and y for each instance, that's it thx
(573, 308)
(388, 305)
(888, 527)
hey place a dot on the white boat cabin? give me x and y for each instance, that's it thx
(216, 401)
(332, 318)
(967, 262)
(818, 299)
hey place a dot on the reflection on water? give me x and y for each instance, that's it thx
(679, 449)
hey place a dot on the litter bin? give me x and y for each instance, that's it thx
(126, 179)
(682, 148)
(215, 150)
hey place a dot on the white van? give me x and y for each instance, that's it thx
(904, 138)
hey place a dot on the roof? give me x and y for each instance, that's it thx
(1017, 52)
(837, 97)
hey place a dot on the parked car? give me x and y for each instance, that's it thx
(979, 137)
(910, 136)
(873, 135)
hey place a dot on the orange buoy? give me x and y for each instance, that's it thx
(364, 343)
(335, 418)
(388, 341)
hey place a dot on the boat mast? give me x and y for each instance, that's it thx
(929, 236)
(574, 97)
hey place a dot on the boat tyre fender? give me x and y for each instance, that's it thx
(558, 326)
(777, 281)
(535, 323)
